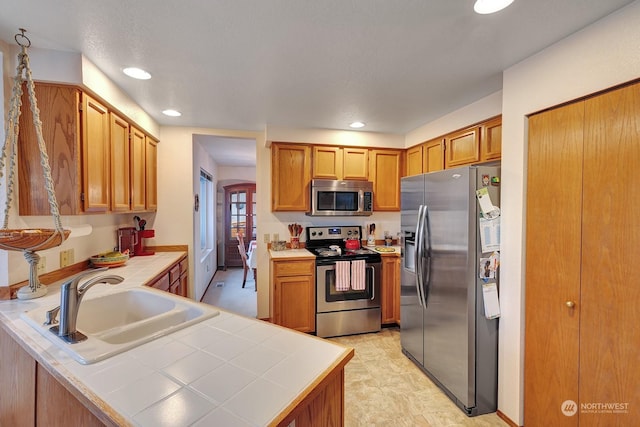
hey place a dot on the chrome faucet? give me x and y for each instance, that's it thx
(70, 297)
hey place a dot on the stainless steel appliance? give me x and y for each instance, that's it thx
(444, 330)
(351, 311)
(341, 198)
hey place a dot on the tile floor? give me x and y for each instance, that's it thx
(232, 296)
(384, 388)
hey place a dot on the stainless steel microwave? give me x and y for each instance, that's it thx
(341, 198)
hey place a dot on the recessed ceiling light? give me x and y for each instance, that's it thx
(357, 125)
(485, 7)
(137, 73)
(172, 113)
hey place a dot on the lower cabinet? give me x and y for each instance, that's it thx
(174, 279)
(293, 294)
(32, 396)
(390, 289)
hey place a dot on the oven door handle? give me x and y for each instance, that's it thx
(373, 282)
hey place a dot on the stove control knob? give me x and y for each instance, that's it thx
(319, 233)
(313, 233)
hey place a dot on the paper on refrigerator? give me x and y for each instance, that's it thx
(489, 234)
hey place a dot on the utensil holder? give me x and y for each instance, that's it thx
(295, 242)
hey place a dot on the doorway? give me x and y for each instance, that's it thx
(240, 219)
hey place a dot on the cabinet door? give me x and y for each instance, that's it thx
(384, 171)
(138, 178)
(462, 147)
(609, 295)
(151, 173)
(290, 177)
(96, 154)
(491, 140)
(120, 178)
(433, 152)
(327, 162)
(61, 129)
(553, 264)
(295, 303)
(390, 289)
(17, 382)
(414, 160)
(355, 163)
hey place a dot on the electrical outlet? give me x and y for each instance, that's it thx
(64, 259)
(266, 238)
(42, 265)
(71, 257)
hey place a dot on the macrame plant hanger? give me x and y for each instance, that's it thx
(27, 240)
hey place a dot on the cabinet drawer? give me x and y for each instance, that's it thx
(293, 268)
(184, 266)
(162, 283)
(174, 273)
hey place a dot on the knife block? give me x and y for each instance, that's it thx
(139, 248)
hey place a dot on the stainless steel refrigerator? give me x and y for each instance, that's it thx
(443, 326)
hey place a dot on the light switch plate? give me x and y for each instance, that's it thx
(42, 265)
(266, 238)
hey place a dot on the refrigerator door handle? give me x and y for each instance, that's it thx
(373, 282)
(427, 249)
(418, 255)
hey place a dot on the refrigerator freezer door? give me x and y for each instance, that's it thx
(411, 311)
(449, 321)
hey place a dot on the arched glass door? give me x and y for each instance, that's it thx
(240, 218)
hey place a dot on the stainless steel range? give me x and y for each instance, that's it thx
(347, 281)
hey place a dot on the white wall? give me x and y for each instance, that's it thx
(204, 262)
(602, 55)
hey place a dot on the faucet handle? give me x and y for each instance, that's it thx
(50, 316)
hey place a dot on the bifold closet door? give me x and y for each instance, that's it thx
(610, 294)
(553, 262)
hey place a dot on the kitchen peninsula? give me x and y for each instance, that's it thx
(226, 370)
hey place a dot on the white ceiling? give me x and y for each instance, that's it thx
(246, 64)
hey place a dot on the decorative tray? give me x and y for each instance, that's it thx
(110, 259)
(384, 249)
(36, 239)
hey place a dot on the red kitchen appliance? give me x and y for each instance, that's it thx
(127, 240)
(139, 249)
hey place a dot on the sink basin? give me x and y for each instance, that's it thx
(118, 321)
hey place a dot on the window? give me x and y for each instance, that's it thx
(206, 211)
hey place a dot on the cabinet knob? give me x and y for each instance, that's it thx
(570, 304)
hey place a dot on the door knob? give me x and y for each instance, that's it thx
(570, 304)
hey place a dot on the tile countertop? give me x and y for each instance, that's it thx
(228, 370)
(291, 254)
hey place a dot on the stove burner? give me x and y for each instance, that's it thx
(327, 252)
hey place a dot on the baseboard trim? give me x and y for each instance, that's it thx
(506, 419)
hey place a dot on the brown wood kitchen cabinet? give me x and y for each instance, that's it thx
(293, 294)
(151, 173)
(95, 160)
(581, 314)
(390, 302)
(120, 171)
(32, 396)
(426, 157)
(491, 140)
(75, 128)
(343, 163)
(173, 279)
(462, 147)
(385, 167)
(290, 177)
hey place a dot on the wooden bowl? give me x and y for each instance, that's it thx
(36, 239)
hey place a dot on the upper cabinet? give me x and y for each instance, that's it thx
(426, 157)
(151, 169)
(491, 140)
(462, 147)
(385, 167)
(92, 153)
(290, 177)
(476, 144)
(332, 162)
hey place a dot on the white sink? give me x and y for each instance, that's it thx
(118, 321)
